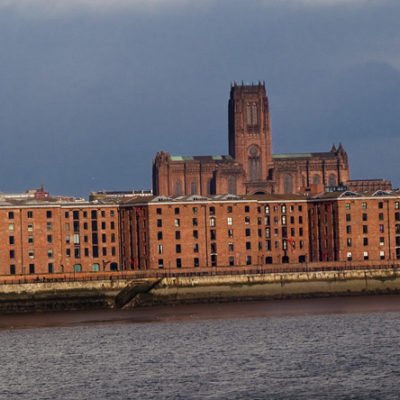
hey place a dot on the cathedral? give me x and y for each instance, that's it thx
(250, 167)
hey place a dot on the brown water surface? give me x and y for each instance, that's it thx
(253, 309)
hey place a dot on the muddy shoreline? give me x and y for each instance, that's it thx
(197, 312)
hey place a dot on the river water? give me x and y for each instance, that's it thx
(345, 348)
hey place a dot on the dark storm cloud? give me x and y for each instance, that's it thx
(87, 98)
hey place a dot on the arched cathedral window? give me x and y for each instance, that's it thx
(287, 184)
(316, 179)
(211, 186)
(232, 185)
(254, 163)
(252, 114)
(193, 187)
(178, 188)
(332, 180)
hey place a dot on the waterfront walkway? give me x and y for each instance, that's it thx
(200, 271)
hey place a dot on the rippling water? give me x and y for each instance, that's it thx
(210, 354)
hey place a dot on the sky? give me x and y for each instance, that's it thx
(90, 90)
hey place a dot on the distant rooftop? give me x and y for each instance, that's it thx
(202, 158)
(327, 154)
(292, 155)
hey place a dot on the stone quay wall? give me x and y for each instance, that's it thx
(56, 296)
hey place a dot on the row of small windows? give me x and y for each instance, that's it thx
(75, 214)
(229, 209)
(29, 214)
(76, 226)
(381, 217)
(285, 244)
(75, 237)
(365, 228)
(77, 252)
(365, 241)
(380, 205)
(212, 221)
(213, 234)
(231, 261)
(77, 268)
(366, 255)
(381, 228)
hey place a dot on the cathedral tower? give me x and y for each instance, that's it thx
(250, 135)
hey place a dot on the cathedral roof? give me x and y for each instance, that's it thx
(223, 158)
(303, 155)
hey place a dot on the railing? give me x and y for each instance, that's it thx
(193, 272)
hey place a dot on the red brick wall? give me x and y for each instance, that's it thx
(225, 229)
(41, 235)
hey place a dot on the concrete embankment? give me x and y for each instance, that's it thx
(58, 296)
(130, 293)
(270, 286)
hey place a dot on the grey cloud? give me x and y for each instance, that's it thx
(87, 100)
